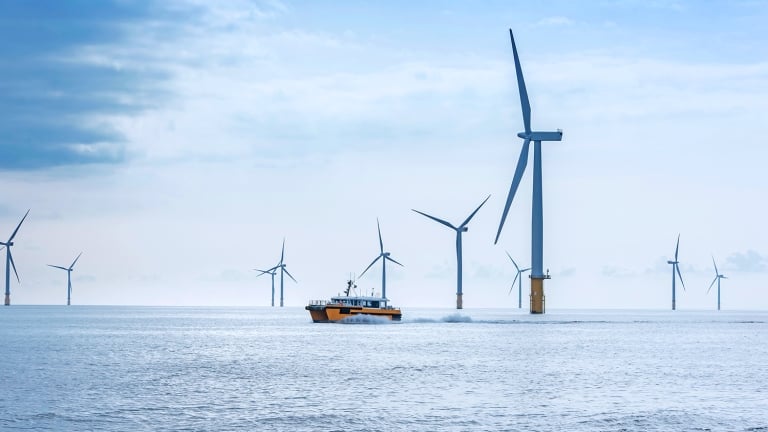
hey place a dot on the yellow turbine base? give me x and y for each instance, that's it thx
(537, 295)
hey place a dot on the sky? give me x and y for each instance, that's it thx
(176, 143)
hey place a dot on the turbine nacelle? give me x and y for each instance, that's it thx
(463, 229)
(6, 244)
(673, 262)
(542, 136)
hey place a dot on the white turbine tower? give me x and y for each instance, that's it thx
(69, 276)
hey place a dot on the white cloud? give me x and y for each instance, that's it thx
(554, 21)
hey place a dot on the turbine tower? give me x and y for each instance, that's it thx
(676, 268)
(383, 256)
(519, 280)
(9, 262)
(69, 276)
(718, 276)
(537, 216)
(460, 229)
(272, 272)
(282, 268)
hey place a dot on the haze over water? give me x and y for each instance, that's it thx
(241, 369)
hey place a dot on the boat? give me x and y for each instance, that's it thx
(348, 305)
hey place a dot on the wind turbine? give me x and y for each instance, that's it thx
(9, 262)
(282, 268)
(519, 282)
(676, 268)
(69, 275)
(718, 276)
(537, 216)
(384, 256)
(460, 229)
(272, 273)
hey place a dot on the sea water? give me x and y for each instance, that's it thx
(251, 369)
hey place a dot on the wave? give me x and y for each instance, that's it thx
(365, 319)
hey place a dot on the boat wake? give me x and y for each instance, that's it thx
(453, 318)
(365, 319)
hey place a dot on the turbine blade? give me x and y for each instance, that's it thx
(73, 262)
(381, 243)
(525, 270)
(436, 219)
(289, 275)
(262, 272)
(473, 213)
(513, 282)
(677, 267)
(13, 264)
(282, 253)
(58, 267)
(713, 263)
(710, 285)
(370, 265)
(526, 106)
(521, 164)
(393, 260)
(513, 261)
(677, 247)
(18, 226)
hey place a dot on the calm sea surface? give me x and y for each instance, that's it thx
(249, 369)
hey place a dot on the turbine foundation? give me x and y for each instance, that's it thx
(537, 294)
(7, 300)
(459, 301)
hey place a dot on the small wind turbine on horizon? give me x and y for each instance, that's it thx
(281, 266)
(69, 276)
(9, 261)
(676, 268)
(519, 280)
(537, 209)
(383, 256)
(272, 272)
(460, 229)
(718, 276)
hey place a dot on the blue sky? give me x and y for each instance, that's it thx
(176, 143)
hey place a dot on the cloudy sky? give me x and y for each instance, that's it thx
(176, 143)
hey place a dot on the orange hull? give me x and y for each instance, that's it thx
(337, 312)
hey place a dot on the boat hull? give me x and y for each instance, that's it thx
(335, 313)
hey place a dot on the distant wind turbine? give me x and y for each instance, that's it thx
(281, 266)
(460, 229)
(383, 256)
(676, 268)
(537, 216)
(69, 276)
(718, 276)
(519, 280)
(272, 273)
(9, 262)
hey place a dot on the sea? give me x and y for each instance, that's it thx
(103, 368)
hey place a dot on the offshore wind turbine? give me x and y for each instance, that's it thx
(9, 261)
(537, 216)
(519, 280)
(718, 276)
(459, 229)
(69, 275)
(272, 272)
(676, 268)
(383, 256)
(281, 266)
